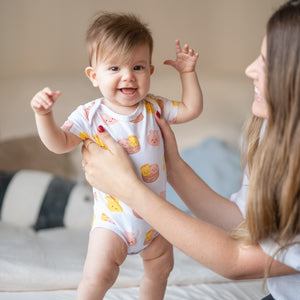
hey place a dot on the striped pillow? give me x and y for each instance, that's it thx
(41, 200)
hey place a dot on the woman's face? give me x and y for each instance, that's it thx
(256, 71)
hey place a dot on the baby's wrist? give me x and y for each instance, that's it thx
(43, 114)
(187, 72)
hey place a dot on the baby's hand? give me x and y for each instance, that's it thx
(186, 59)
(44, 100)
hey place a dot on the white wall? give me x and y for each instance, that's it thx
(42, 43)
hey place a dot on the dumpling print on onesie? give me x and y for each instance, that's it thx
(130, 144)
(88, 109)
(149, 107)
(130, 238)
(153, 138)
(67, 125)
(108, 120)
(150, 235)
(106, 218)
(150, 172)
(113, 204)
(138, 119)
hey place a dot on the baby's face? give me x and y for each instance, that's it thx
(124, 83)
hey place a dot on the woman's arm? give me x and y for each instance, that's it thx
(204, 242)
(204, 202)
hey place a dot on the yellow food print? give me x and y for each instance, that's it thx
(99, 142)
(113, 204)
(145, 169)
(133, 140)
(84, 135)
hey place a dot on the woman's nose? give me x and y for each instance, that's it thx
(250, 70)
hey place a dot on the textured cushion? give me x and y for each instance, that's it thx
(216, 163)
(41, 200)
(29, 153)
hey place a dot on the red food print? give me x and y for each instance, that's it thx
(130, 238)
(130, 144)
(88, 109)
(139, 118)
(67, 125)
(149, 172)
(153, 138)
(108, 120)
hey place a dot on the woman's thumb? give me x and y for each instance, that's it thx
(106, 141)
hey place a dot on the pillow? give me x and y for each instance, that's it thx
(41, 200)
(216, 163)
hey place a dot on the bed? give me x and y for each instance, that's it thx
(45, 219)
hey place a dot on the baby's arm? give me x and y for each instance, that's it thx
(54, 138)
(192, 101)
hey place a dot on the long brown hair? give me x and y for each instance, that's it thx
(273, 204)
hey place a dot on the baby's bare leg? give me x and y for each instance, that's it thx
(158, 263)
(106, 252)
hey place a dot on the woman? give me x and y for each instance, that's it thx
(257, 233)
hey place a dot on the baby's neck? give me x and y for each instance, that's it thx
(121, 110)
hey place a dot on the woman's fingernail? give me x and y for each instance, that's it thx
(157, 114)
(100, 129)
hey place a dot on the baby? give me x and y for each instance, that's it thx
(120, 49)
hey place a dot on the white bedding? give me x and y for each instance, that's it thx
(48, 265)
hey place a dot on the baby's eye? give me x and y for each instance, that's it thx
(114, 69)
(138, 68)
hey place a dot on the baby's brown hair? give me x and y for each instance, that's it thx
(116, 34)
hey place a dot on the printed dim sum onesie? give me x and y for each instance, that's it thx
(140, 136)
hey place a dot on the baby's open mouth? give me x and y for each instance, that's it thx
(128, 91)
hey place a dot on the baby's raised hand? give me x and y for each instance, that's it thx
(186, 59)
(44, 100)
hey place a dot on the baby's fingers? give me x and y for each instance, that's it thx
(177, 47)
(44, 100)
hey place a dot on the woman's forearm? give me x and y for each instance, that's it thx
(205, 243)
(205, 203)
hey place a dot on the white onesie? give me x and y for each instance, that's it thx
(140, 135)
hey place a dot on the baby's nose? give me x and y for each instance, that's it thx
(128, 75)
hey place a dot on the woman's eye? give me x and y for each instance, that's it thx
(137, 68)
(114, 69)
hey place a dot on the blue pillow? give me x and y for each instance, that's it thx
(216, 163)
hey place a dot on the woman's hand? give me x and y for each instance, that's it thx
(109, 170)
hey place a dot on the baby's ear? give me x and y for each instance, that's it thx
(91, 74)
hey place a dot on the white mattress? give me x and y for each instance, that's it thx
(48, 265)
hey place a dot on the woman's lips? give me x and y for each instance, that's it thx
(258, 97)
